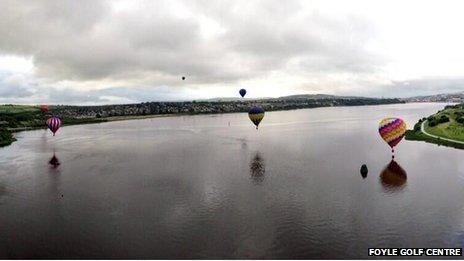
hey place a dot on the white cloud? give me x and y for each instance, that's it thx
(15, 64)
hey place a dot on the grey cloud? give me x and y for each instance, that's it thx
(143, 94)
(70, 96)
(15, 86)
(82, 40)
(112, 95)
(12, 91)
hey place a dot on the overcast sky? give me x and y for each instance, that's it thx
(98, 52)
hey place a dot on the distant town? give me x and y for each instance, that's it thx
(448, 97)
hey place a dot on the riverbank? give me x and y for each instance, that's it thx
(6, 137)
(445, 128)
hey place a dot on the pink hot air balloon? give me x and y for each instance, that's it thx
(54, 124)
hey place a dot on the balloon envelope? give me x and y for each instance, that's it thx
(256, 114)
(392, 130)
(43, 108)
(54, 123)
(242, 92)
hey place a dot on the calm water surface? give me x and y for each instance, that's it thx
(195, 187)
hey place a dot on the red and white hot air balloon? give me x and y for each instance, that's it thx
(43, 108)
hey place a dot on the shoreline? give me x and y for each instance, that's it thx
(414, 136)
(444, 128)
(419, 134)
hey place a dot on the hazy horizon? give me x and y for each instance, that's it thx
(229, 98)
(113, 52)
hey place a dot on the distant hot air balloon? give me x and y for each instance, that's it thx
(256, 114)
(183, 78)
(43, 108)
(54, 123)
(392, 131)
(242, 92)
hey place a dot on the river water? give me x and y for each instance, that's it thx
(212, 186)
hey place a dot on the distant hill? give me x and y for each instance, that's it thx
(231, 99)
(443, 97)
(317, 97)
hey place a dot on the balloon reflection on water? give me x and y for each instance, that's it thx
(257, 168)
(54, 161)
(393, 177)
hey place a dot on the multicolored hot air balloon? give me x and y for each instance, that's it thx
(242, 92)
(54, 123)
(256, 114)
(43, 108)
(392, 131)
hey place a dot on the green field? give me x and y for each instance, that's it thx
(447, 123)
(451, 129)
(9, 109)
(20, 116)
(419, 136)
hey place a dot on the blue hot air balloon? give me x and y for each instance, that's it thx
(242, 92)
(256, 114)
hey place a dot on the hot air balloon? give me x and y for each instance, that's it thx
(242, 92)
(183, 78)
(43, 108)
(54, 124)
(256, 114)
(392, 130)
